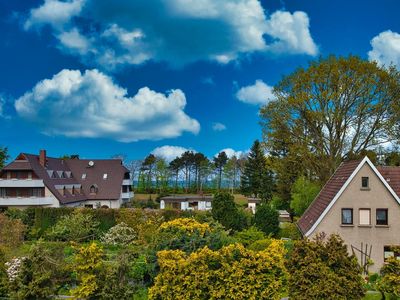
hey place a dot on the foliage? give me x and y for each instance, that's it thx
(233, 272)
(260, 245)
(39, 274)
(120, 234)
(48, 217)
(219, 162)
(189, 235)
(257, 180)
(3, 274)
(115, 280)
(303, 193)
(87, 266)
(290, 231)
(3, 156)
(11, 231)
(323, 269)
(78, 226)
(224, 210)
(249, 236)
(308, 126)
(266, 219)
(390, 282)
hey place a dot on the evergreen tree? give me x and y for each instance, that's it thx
(219, 162)
(224, 210)
(257, 179)
(266, 219)
(3, 156)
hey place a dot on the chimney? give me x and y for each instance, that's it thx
(42, 158)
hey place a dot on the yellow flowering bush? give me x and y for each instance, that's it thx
(233, 272)
(188, 225)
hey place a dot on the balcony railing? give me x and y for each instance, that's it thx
(127, 195)
(127, 182)
(13, 183)
(26, 201)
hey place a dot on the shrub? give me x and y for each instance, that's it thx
(260, 245)
(266, 219)
(224, 210)
(120, 234)
(39, 274)
(322, 269)
(3, 274)
(48, 217)
(390, 282)
(249, 236)
(189, 235)
(290, 231)
(78, 226)
(207, 274)
(88, 264)
(11, 231)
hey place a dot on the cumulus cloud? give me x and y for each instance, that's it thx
(54, 12)
(259, 93)
(230, 153)
(169, 153)
(123, 32)
(291, 33)
(386, 49)
(218, 126)
(90, 104)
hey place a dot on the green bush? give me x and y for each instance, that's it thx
(289, 231)
(249, 236)
(224, 210)
(3, 275)
(78, 226)
(390, 281)
(46, 218)
(266, 219)
(322, 269)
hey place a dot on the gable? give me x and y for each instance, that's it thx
(333, 189)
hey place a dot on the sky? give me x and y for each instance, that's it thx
(133, 77)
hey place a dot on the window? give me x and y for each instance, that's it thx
(3, 192)
(105, 176)
(391, 251)
(73, 191)
(93, 189)
(382, 216)
(84, 176)
(365, 182)
(36, 192)
(64, 191)
(347, 216)
(365, 216)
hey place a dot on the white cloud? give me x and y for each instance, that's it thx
(169, 153)
(291, 32)
(259, 93)
(123, 32)
(230, 153)
(386, 49)
(218, 126)
(55, 13)
(90, 104)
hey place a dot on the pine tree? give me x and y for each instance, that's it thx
(257, 179)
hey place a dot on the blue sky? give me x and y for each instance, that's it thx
(99, 78)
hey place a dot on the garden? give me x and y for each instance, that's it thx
(133, 253)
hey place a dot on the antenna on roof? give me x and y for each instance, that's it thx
(91, 163)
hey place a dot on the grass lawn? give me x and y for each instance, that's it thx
(372, 295)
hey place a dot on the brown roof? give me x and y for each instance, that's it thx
(326, 195)
(72, 169)
(109, 188)
(392, 177)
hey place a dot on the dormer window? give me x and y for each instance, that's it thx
(105, 175)
(84, 176)
(93, 189)
(62, 175)
(73, 191)
(64, 191)
(53, 175)
(364, 182)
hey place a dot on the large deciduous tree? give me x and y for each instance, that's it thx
(335, 108)
(3, 156)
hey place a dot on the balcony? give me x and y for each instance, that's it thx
(21, 183)
(26, 201)
(127, 182)
(127, 195)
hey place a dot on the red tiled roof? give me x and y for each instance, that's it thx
(326, 195)
(17, 165)
(392, 177)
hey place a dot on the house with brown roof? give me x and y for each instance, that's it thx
(38, 180)
(189, 202)
(361, 203)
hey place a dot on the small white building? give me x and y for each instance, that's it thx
(197, 202)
